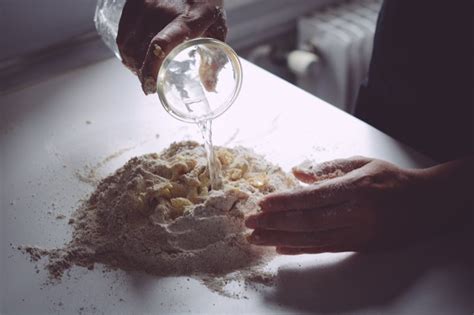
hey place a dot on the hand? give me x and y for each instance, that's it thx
(150, 29)
(358, 204)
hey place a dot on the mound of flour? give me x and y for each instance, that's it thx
(157, 214)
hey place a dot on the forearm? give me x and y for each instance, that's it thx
(450, 187)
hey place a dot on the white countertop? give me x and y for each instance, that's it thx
(52, 130)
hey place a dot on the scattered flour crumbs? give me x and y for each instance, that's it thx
(156, 214)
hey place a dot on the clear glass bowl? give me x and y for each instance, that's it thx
(199, 79)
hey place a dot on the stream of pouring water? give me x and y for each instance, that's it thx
(188, 77)
(212, 164)
(197, 104)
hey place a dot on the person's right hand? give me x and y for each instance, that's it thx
(150, 29)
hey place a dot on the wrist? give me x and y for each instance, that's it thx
(449, 187)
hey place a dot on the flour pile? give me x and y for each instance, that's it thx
(156, 214)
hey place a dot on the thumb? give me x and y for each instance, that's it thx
(310, 172)
(179, 30)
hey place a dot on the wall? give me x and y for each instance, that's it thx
(29, 25)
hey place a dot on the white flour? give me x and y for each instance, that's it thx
(156, 214)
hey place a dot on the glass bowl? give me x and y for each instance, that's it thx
(199, 79)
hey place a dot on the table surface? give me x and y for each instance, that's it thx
(96, 117)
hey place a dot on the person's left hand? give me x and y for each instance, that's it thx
(356, 204)
(150, 29)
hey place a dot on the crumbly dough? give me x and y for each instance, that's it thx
(157, 214)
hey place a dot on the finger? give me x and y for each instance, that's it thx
(179, 30)
(338, 248)
(218, 29)
(130, 34)
(132, 11)
(342, 215)
(134, 46)
(300, 239)
(316, 196)
(310, 172)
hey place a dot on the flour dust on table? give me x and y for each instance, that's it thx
(157, 214)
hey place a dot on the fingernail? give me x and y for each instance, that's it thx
(149, 85)
(252, 222)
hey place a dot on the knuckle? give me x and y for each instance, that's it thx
(191, 17)
(204, 14)
(367, 180)
(150, 4)
(217, 12)
(366, 185)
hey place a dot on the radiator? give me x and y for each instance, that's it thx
(333, 52)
